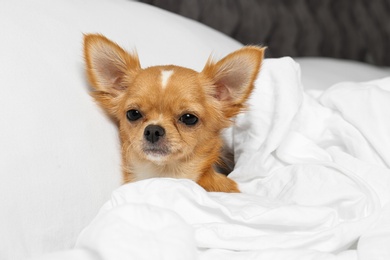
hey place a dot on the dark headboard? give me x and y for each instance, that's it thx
(347, 29)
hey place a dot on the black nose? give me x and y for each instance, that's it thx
(153, 133)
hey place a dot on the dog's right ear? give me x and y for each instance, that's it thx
(110, 69)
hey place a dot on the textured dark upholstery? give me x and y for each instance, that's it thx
(347, 29)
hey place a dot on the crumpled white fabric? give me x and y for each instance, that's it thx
(314, 176)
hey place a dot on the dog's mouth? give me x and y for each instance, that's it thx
(156, 153)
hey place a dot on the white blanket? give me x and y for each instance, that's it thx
(314, 176)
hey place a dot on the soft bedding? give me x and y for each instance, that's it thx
(314, 175)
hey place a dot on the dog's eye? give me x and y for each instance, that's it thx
(189, 119)
(133, 115)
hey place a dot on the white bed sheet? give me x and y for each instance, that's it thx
(314, 175)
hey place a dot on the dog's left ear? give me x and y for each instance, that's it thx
(233, 77)
(109, 67)
(110, 70)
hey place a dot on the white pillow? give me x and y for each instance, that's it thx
(59, 153)
(319, 74)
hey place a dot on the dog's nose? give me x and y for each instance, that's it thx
(153, 133)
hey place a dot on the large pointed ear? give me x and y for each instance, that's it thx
(109, 67)
(233, 77)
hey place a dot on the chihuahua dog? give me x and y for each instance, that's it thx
(170, 118)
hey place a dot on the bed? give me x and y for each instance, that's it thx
(312, 154)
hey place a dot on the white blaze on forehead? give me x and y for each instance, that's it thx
(165, 75)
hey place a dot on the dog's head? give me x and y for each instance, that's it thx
(169, 114)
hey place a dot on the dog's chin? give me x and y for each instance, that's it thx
(156, 155)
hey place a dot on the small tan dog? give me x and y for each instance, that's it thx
(170, 118)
